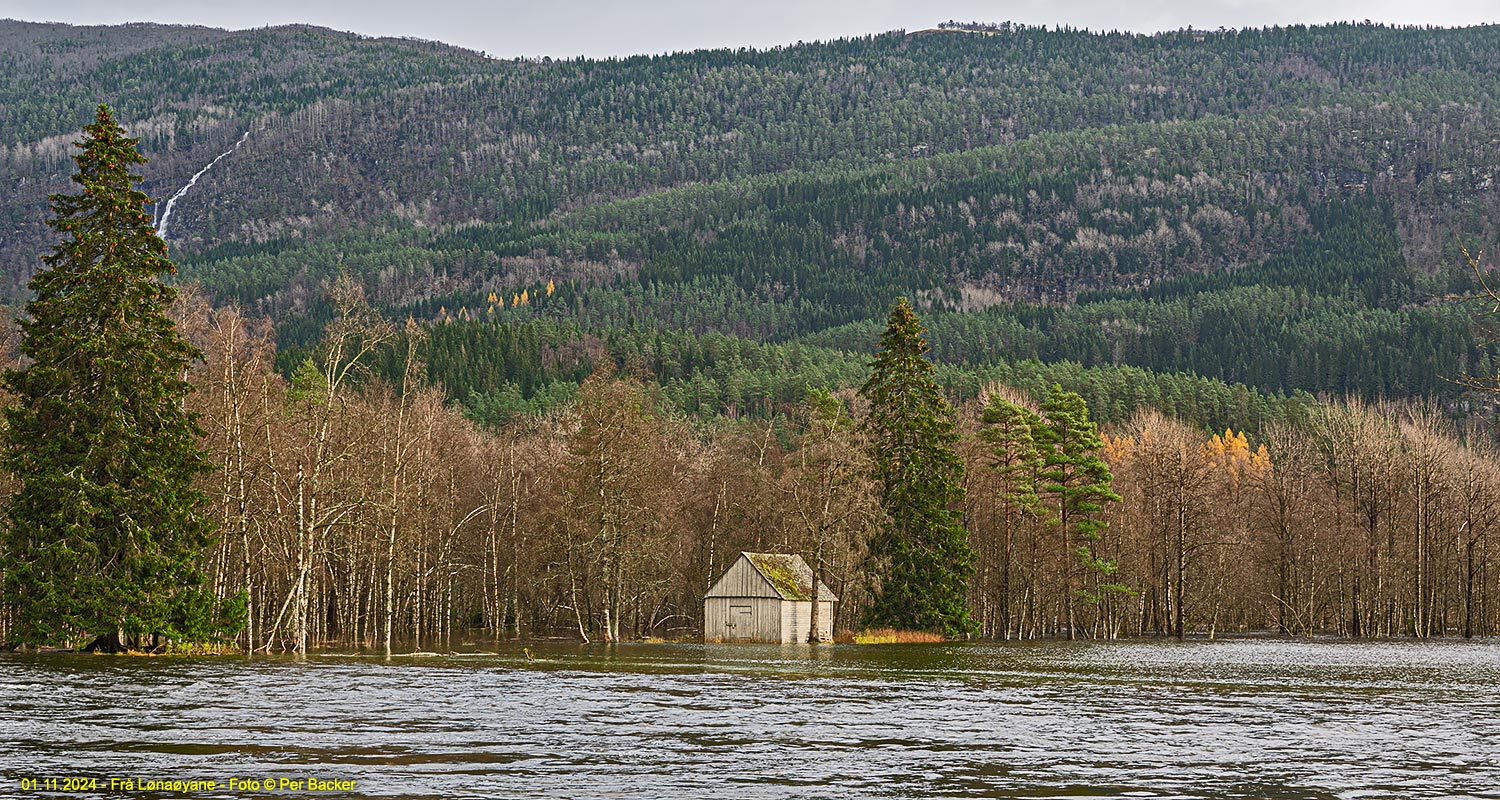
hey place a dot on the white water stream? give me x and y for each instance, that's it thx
(166, 212)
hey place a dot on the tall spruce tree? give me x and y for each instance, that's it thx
(922, 556)
(1078, 483)
(105, 528)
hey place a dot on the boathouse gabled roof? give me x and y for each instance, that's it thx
(781, 575)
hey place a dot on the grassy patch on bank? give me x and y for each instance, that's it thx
(893, 636)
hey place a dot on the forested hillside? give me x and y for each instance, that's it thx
(1277, 208)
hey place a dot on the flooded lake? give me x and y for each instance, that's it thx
(1247, 718)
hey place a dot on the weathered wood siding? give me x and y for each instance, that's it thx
(742, 619)
(742, 580)
(795, 616)
(796, 619)
(825, 620)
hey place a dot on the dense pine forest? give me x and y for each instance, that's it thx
(506, 347)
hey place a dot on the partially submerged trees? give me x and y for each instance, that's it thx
(616, 479)
(1009, 465)
(319, 394)
(1475, 509)
(1075, 482)
(1290, 517)
(107, 527)
(235, 392)
(830, 494)
(922, 556)
(1175, 500)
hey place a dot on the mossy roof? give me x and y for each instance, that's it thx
(789, 575)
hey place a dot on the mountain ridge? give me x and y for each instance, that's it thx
(783, 193)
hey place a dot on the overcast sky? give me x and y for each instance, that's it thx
(622, 27)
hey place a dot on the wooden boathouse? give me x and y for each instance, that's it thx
(766, 597)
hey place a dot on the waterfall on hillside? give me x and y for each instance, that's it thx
(166, 213)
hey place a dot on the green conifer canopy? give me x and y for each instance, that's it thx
(105, 528)
(922, 556)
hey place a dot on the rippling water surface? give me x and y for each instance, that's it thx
(1258, 718)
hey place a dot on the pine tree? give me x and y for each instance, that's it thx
(1010, 433)
(922, 556)
(105, 529)
(1078, 483)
